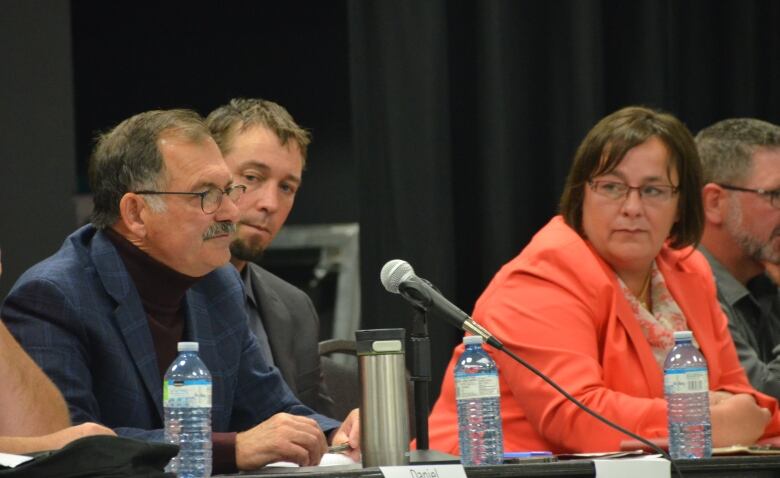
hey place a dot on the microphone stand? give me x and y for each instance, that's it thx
(420, 348)
(420, 356)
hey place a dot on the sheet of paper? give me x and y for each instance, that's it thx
(742, 450)
(606, 454)
(12, 461)
(328, 459)
(651, 466)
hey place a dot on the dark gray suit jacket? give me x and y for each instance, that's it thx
(293, 328)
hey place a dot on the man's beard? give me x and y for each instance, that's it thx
(751, 246)
(246, 252)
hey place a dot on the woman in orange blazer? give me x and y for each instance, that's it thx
(594, 299)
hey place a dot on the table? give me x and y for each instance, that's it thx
(751, 466)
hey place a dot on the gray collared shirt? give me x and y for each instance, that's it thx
(753, 311)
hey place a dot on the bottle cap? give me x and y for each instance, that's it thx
(472, 339)
(187, 347)
(683, 335)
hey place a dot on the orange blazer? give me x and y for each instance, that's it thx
(558, 305)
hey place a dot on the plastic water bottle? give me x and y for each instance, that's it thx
(687, 398)
(187, 403)
(479, 406)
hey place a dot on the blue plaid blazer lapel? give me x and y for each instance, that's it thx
(129, 315)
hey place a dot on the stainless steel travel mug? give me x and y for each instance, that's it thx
(384, 407)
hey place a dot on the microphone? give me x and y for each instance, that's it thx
(398, 277)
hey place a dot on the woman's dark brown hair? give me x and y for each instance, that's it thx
(605, 146)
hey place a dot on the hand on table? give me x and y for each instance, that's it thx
(737, 420)
(349, 432)
(283, 437)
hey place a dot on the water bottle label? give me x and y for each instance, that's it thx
(187, 393)
(692, 380)
(478, 386)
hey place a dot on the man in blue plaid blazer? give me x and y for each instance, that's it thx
(102, 316)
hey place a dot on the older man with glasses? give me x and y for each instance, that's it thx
(741, 160)
(103, 315)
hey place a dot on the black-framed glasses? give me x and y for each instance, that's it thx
(616, 190)
(210, 199)
(773, 196)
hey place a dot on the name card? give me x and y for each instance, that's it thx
(423, 471)
(646, 467)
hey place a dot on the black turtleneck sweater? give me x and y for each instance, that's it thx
(162, 292)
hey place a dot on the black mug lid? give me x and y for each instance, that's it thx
(365, 340)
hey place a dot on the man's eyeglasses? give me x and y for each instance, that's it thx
(773, 196)
(211, 198)
(650, 193)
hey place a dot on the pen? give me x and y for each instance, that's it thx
(339, 448)
(525, 454)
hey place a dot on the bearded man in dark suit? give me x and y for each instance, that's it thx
(265, 150)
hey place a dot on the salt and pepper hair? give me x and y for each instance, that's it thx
(606, 145)
(726, 148)
(242, 114)
(127, 158)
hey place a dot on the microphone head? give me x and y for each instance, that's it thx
(394, 273)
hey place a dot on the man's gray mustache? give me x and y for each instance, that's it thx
(218, 229)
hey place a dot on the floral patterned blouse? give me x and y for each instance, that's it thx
(666, 318)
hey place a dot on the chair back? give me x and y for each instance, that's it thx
(338, 361)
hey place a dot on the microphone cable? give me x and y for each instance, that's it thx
(500, 346)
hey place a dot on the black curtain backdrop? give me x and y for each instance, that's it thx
(134, 55)
(445, 127)
(466, 115)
